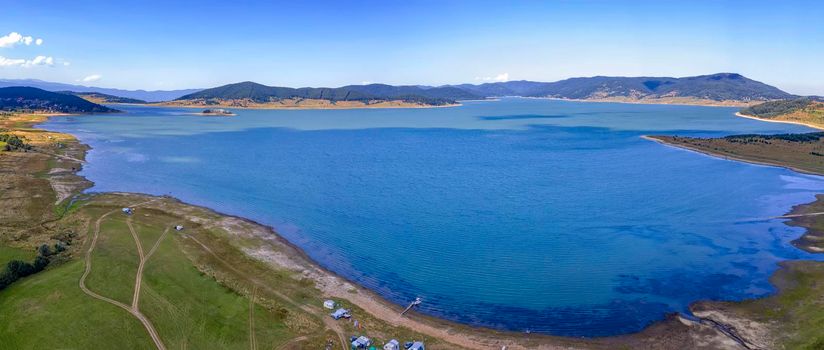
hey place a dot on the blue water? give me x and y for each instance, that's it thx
(515, 214)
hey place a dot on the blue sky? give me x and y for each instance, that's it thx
(301, 43)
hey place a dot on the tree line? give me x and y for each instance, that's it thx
(14, 142)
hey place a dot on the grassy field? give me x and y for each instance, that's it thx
(10, 253)
(805, 155)
(800, 111)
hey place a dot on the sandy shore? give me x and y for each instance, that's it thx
(818, 127)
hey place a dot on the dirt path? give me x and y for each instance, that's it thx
(252, 340)
(293, 340)
(330, 323)
(82, 283)
(139, 279)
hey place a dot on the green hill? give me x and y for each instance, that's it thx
(774, 109)
(100, 98)
(717, 87)
(374, 92)
(19, 98)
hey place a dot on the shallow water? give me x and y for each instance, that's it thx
(517, 214)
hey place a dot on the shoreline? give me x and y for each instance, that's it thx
(701, 103)
(812, 126)
(795, 214)
(298, 108)
(447, 330)
(729, 158)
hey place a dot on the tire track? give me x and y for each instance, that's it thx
(252, 340)
(139, 279)
(326, 320)
(88, 269)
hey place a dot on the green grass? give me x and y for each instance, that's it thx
(10, 253)
(114, 261)
(188, 308)
(198, 313)
(49, 311)
(802, 306)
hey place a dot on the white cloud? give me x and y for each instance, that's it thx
(19, 62)
(91, 78)
(498, 78)
(40, 61)
(15, 38)
(8, 62)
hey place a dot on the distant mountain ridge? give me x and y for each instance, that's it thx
(24, 98)
(720, 87)
(716, 87)
(150, 96)
(364, 93)
(100, 98)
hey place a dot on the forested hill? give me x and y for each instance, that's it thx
(101, 98)
(29, 99)
(363, 93)
(774, 109)
(717, 87)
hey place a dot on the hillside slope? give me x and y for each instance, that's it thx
(21, 98)
(806, 111)
(100, 98)
(259, 93)
(151, 96)
(714, 87)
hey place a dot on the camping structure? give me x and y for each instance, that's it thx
(392, 345)
(127, 211)
(340, 313)
(361, 342)
(179, 228)
(417, 346)
(329, 304)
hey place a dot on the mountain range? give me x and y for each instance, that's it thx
(364, 93)
(716, 87)
(24, 98)
(720, 87)
(150, 96)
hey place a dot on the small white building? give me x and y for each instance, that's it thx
(329, 304)
(392, 345)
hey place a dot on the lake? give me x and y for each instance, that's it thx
(518, 214)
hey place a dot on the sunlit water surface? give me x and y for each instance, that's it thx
(516, 214)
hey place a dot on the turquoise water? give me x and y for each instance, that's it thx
(515, 214)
